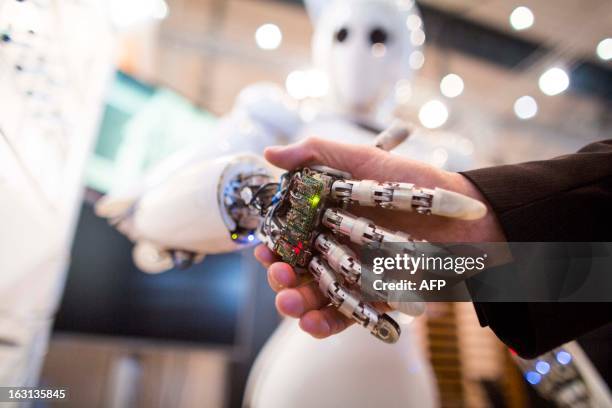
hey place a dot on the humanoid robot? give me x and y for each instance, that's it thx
(193, 205)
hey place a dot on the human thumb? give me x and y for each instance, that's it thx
(339, 156)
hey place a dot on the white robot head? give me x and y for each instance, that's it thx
(365, 47)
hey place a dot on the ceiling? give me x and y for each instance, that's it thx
(572, 27)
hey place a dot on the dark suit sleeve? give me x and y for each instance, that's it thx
(566, 199)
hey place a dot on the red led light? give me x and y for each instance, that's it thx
(297, 249)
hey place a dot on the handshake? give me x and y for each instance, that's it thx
(308, 228)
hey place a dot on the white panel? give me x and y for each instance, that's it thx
(55, 61)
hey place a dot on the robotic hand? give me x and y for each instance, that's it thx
(312, 199)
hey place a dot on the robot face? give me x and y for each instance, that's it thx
(364, 46)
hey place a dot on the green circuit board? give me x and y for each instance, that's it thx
(304, 197)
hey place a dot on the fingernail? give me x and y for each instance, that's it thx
(290, 303)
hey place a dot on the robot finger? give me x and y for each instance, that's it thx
(340, 257)
(344, 261)
(379, 324)
(408, 197)
(362, 231)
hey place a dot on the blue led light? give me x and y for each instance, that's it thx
(533, 378)
(251, 237)
(563, 357)
(542, 367)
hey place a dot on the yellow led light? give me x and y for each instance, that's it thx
(314, 200)
(234, 236)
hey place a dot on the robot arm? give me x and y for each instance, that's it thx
(201, 209)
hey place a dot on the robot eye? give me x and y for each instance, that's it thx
(342, 34)
(378, 36)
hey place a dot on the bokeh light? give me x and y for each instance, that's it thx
(542, 367)
(433, 114)
(525, 107)
(604, 49)
(521, 18)
(268, 37)
(533, 377)
(554, 81)
(416, 60)
(563, 357)
(451, 85)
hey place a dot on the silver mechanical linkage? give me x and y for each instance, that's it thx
(407, 197)
(361, 231)
(379, 324)
(340, 257)
(342, 260)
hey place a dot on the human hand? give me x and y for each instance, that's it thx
(304, 300)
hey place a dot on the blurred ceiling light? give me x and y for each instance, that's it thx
(554, 81)
(159, 10)
(525, 107)
(416, 60)
(403, 91)
(439, 157)
(451, 85)
(296, 84)
(604, 49)
(417, 37)
(307, 84)
(413, 22)
(521, 18)
(433, 114)
(268, 37)
(405, 4)
(126, 14)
